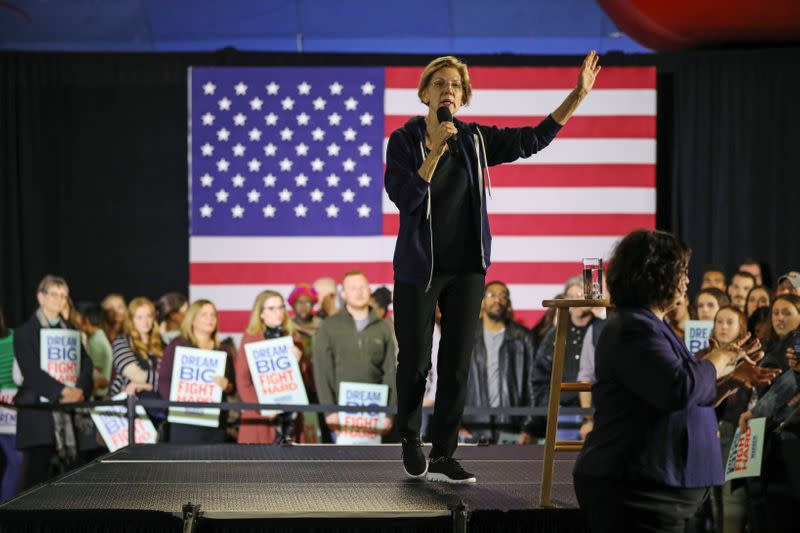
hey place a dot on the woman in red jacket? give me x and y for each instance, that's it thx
(268, 320)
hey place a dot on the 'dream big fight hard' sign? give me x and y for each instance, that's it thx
(744, 459)
(193, 381)
(112, 424)
(361, 427)
(275, 373)
(60, 354)
(8, 417)
(697, 333)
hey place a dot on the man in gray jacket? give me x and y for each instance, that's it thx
(353, 345)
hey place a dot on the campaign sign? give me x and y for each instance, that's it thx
(8, 417)
(697, 333)
(192, 381)
(60, 354)
(361, 427)
(112, 423)
(275, 372)
(747, 450)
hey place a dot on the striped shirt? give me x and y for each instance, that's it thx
(7, 361)
(125, 356)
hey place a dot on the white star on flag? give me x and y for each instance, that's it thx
(240, 88)
(367, 88)
(206, 180)
(301, 180)
(348, 195)
(304, 88)
(256, 103)
(223, 135)
(285, 195)
(238, 150)
(207, 149)
(332, 211)
(334, 119)
(269, 211)
(351, 104)
(364, 180)
(254, 165)
(300, 210)
(237, 211)
(208, 119)
(364, 150)
(287, 104)
(301, 149)
(286, 164)
(302, 119)
(224, 104)
(269, 180)
(317, 164)
(239, 119)
(271, 119)
(206, 210)
(222, 195)
(253, 196)
(272, 88)
(333, 180)
(319, 103)
(318, 134)
(286, 134)
(366, 119)
(223, 165)
(270, 149)
(238, 180)
(333, 149)
(209, 88)
(350, 134)
(254, 134)
(363, 211)
(316, 195)
(336, 88)
(349, 165)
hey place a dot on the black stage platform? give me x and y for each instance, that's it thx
(258, 488)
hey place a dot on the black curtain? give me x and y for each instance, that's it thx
(93, 165)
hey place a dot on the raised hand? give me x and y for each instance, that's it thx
(588, 72)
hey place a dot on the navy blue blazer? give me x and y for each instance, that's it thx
(654, 418)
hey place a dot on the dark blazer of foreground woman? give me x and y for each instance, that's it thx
(654, 418)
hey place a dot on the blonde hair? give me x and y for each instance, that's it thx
(446, 62)
(139, 346)
(187, 332)
(256, 324)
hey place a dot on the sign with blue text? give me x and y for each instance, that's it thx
(60, 354)
(697, 333)
(361, 427)
(193, 381)
(8, 417)
(275, 373)
(112, 424)
(747, 450)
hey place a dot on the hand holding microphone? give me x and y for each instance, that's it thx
(446, 119)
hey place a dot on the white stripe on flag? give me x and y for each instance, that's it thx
(381, 248)
(535, 102)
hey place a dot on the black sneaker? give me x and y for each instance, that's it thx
(448, 470)
(414, 461)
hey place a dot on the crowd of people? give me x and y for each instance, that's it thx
(344, 333)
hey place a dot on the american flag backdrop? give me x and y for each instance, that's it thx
(286, 176)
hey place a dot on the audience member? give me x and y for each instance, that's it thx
(170, 310)
(789, 283)
(586, 368)
(353, 345)
(91, 321)
(116, 312)
(41, 434)
(708, 301)
(741, 283)
(678, 316)
(11, 458)
(198, 330)
(305, 325)
(326, 292)
(755, 268)
(545, 324)
(759, 296)
(714, 276)
(138, 350)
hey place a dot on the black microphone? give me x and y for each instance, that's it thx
(444, 115)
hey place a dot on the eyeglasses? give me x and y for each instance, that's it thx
(440, 84)
(57, 295)
(497, 296)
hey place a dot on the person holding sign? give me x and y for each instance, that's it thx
(138, 350)
(57, 371)
(268, 320)
(654, 451)
(198, 331)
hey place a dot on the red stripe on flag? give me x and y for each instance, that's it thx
(528, 317)
(282, 273)
(533, 77)
(566, 224)
(630, 127)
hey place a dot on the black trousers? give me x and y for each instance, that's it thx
(36, 466)
(459, 298)
(613, 505)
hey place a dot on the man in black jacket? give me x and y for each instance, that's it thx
(42, 433)
(500, 368)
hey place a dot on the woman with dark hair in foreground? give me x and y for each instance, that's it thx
(654, 451)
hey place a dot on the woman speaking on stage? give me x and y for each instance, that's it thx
(654, 451)
(434, 175)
